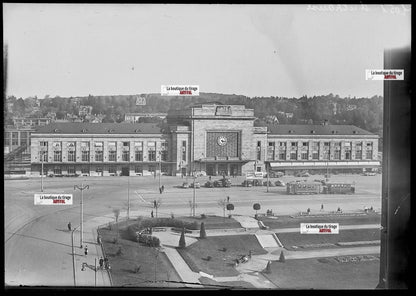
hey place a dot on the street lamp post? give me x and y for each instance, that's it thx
(41, 172)
(82, 188)
(193, 199)
(268, 171)
(160, 166)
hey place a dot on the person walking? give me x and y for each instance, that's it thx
(160, 190)
(101, 262)
(322, 207)
(86, 250)
(99, 239)
(163, 188)
(151, 214)
(69, 226)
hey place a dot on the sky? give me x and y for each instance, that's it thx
(252, 50)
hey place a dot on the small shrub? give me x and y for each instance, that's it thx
(282, 257)
(209, 258)
(202, 232)
(203, 216)
(182, 243)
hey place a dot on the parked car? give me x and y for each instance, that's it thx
(247, 183)
(209, 184)
(217, 183)
(185, 185)
(257, 182)
(270, 183)
(196, 184)
(369, 174)
(280, 183)
(304, 174)
(200, 174)
(226, 182)
(320, 181)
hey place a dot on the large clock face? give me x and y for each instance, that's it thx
(222, 140)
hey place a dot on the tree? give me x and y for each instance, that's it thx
(202, 232)
(230, 207)
(256, 207)
(223, 204)
(182, 243)
(282, 257)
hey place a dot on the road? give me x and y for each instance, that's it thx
(38, 247)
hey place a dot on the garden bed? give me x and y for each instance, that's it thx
(222, 260)
(155, 268)
(293, 221)
(303, 241)
(325, 274)
(213, 222)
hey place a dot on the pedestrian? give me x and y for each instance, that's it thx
(309, 211)
(371, 208)
(106, 264)
(101, 261)
(322, 207)
(163, 188)
(228, 199)
(99, 239)
(210, 178)
(249, 254)
(86, 250)
(151, 214)
(69, 226)
(160, 190)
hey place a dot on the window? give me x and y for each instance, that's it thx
(164, 155)
(57, 156)
(126, 144)
(57, 145)
(85, 146)
(282, 156)
(98, 156)
(85, 170)
(325, 154)
(138, 169)
(315, 145)
(305, 144)
(138, 155)
(293, 156)
(271, 144)
(85, 156)
(57, 170)
(337, 145)
(112, 155)
(183, 153)
(304, 156)
(112, 169)
(315, 155)
(99, 169)
(183, 143)
(347, 155)
(98, 145)
(125, 156)
(369, 154)
(71, 155)
(15, 136)
(7, 139)
(294, 144)
(43, 156)
(282, 144)
(71, 170)
(358, 154)
(347, 145)
(23, 138)
(152, 169)
(369, 145)
(258, 150)
(337, 154)
(152, 155)
(327, 144)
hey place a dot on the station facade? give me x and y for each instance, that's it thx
(214, 138)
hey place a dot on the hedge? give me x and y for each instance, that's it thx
(159, 222)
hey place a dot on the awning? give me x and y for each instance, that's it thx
(324, 164)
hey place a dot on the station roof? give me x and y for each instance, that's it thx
(99, 128)
(317, 129)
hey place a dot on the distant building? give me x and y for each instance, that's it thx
(29, 121)
(134, 117)
(84, 110)
(217, 139)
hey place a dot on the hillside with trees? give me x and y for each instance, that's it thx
(366, 113)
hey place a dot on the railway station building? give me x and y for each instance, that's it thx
(214, 138)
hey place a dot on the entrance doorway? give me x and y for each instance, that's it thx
(125, 171)
(234, 170)
(210, 170)
(222, 169)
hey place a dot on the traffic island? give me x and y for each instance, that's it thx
(133, 264)
(346, 272)
(218, 255)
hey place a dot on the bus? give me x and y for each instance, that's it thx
(338, 188)
(303, 188)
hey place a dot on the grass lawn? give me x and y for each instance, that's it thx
(214, 222)
(313, 274)
(134, 255)
(222, 263)
(224, 285)
(296, 239)
(288, 221)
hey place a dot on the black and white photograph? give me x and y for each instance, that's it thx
(206, 146)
